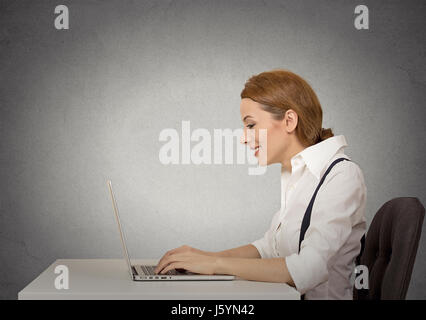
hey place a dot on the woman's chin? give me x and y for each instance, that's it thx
(262, 162)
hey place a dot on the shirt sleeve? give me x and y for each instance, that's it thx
(339, 205)
(264, 244)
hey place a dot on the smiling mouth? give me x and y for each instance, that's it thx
(256, 151)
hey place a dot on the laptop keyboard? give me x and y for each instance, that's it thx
(149, 270)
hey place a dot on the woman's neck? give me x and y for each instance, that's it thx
(294, 149)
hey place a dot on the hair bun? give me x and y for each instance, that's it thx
(325, 134)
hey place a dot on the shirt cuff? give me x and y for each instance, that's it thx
(307, 269)
(258, 245)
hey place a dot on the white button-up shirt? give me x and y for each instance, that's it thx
(323, 268)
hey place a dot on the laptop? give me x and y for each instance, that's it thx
(146, 272)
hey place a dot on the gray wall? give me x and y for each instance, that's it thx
(80, 106)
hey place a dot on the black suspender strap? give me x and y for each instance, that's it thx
(307, 217)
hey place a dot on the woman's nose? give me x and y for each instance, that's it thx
(248, 136)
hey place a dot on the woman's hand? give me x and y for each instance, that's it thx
(188, 258)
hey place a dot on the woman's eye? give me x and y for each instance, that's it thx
(250, 126)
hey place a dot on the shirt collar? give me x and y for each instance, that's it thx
(317, 156)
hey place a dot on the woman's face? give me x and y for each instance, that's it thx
(278, 132)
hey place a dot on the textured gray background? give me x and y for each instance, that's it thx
(81, 106)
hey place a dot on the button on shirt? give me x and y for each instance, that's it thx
(323, 267)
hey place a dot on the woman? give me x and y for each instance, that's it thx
(319, 260)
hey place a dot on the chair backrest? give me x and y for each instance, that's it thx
(390, 249)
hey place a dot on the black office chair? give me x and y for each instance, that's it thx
(390, 249)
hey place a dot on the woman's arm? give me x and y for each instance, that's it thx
(247, 251)
(203, 262)
(267, 270)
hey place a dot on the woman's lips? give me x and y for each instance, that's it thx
(256, 151)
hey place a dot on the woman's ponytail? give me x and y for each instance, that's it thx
(325, 134)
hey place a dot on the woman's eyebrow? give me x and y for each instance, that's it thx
(247, 117)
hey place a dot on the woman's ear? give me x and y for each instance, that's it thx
(290, 120)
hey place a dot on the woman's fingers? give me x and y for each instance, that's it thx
(189, 261)
(171, 266)
(180, 249)
(166, 255)
(163, 262)
(176, 257)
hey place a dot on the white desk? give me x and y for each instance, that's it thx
(110, 279)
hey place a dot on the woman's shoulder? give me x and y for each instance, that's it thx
(346, 170)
